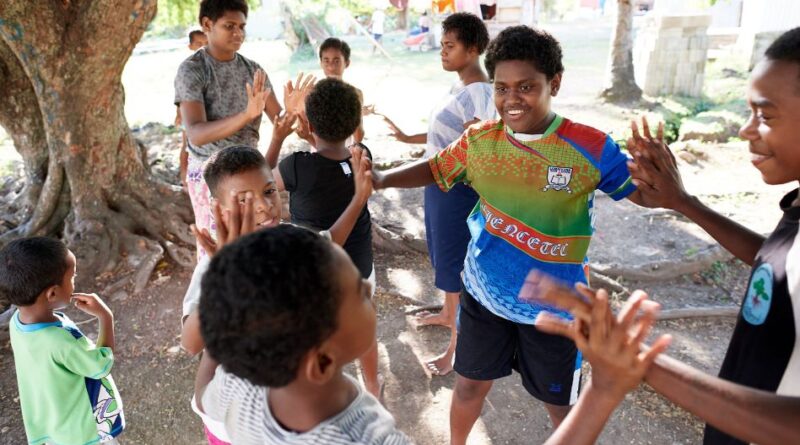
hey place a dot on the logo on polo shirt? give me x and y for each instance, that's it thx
(558, 179)
(759, 295)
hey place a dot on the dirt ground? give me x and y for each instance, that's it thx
(155, 377)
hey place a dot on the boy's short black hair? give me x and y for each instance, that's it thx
(333, 109)
(536, 46)
(338, 44)
(28, 266)
(469, 30)
(786, 48)
(230, 161)
(214, 9)
(193, 35)
(266, 300)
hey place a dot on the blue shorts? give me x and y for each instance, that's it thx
(447, 232)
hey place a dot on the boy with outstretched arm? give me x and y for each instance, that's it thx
(66, 392)
(764, 352)
(321, 187)
(536, 174)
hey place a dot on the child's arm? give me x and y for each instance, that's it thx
(205, 373)
(281, 130)
(420, 138)
(200, 131)
(191, 340)
(362, 176)
(414, 174)
(748, 414)
(93, 305)
(655, 173)
(611, 345)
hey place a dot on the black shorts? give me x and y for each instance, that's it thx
(489, 347)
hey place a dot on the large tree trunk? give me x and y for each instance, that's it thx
(622, 85)
(95, 185)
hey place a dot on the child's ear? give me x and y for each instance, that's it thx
(51, 293)
(347, 64)
(555, 84)
(206, 23)
(319, 367)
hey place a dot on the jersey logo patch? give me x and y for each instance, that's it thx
(558, 179)
(759, 295)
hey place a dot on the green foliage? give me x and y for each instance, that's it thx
(174, 16)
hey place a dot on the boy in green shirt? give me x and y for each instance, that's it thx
(66, 393)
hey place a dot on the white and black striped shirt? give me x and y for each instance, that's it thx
(243, 408)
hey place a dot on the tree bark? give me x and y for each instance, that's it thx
(622, 86)
(73, 55)
(22, 119)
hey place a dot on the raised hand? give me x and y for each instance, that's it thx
(257, 95)
(294, 95)
(236, 220)
(612, 344)
(397, 133)
(654, 169)
(91, 304)
(282, 127)
(362, 173)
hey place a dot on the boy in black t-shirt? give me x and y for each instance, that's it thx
(320, 184)
(764, 352)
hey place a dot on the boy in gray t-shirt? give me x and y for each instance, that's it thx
(222, 95)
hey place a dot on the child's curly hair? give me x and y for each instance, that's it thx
(536, 46)
(266, 300)
(469, 29)
(333, 109)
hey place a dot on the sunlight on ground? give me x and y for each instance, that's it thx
(405, 281)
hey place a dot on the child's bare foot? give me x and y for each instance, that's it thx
(441, 365)
(427, 318)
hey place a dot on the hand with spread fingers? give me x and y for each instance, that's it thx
(654, 169)
(257, 95)
(236, 220)
(613, 345)
(294, 95)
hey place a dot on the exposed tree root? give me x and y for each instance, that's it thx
(666, 269)
(698, 312)
(389, 241)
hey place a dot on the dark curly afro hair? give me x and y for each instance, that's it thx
(333, 110)
(230, 161)
(214, 9)
(536, 46)
(469, 30)
(266, 300)
(786, 48)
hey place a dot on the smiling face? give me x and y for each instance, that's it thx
(333, 63)
(226, 34)
(266, 199)
(773, 129)
(455, 56)
(522, 95)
